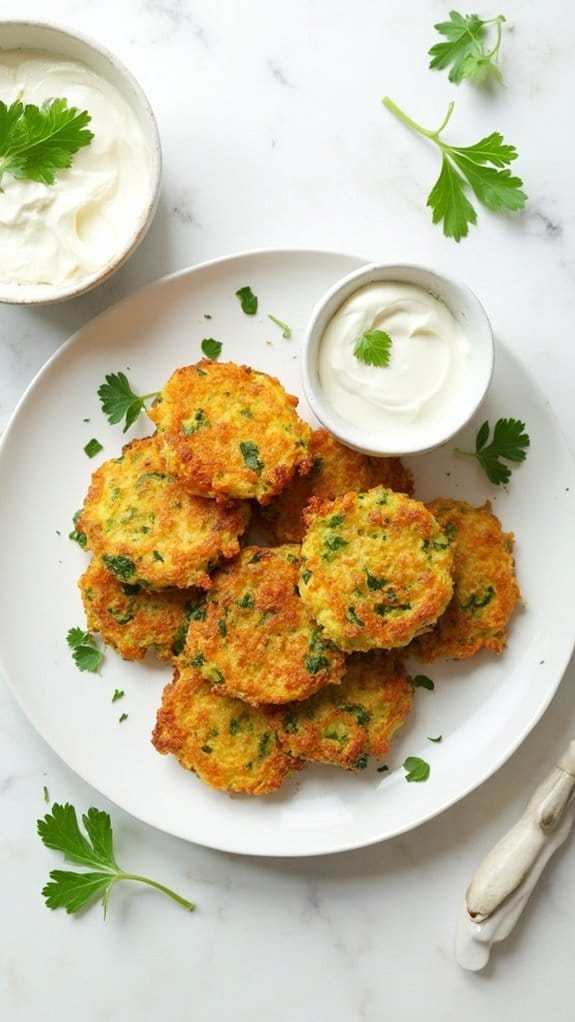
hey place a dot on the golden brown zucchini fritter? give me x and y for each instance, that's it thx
(149, 530)
(342, 725)
(258, 641)
(376, 569)
(335, 470)
(228, 431)
(228, 744)
(133, 620)
(485, 591)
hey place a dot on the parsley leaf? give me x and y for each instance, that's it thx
(70, 890)
(35, 141)
(248, 300)
(87, 656)
(436, 740)
(422, 681)
(464, 49)
(509, 441)
(467, 167)
(285, 329)
(416, 769)
(250, 454)
(119, 401)
(373, 348)
(93, 447)
(211, 349)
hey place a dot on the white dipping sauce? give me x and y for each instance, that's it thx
(51, 234)
(422, 390)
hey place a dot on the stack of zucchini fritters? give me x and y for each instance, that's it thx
(289, 652)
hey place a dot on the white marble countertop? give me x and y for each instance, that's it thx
(273, 135)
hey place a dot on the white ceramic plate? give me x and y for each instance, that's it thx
(483, 708)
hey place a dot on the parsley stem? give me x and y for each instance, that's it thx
(159, 887)
(434, 135)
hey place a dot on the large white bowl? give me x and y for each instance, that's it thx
(27, 35)
(468, 313)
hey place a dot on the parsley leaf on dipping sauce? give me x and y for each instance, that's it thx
(464, 168)
(285, 329)
(373, 348)
(73, 890)
(211, 348)
(248, 300)
(87, 656)
(465, 49)
(35, 141)
(93, 447)
(416, 769)
(119, 401)
(509, 442)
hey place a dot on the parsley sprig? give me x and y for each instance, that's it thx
(35, 141)
(85, 650)
(465, 47)
(509, 442)
(70, 890)
(373, 348)
(482, 167)
(119, 401)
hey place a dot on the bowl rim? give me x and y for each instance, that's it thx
(50, 294)
(327, 305)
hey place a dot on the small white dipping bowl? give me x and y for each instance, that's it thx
(63, 44)
(469, 315)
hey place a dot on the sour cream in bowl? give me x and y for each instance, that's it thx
(397, 359)
(60, 239)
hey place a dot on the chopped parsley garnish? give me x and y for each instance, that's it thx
(478, 600)
(250, 454)
(119, 401)
(78, 537)
(416, 769)
(314, 663)
(509, 442)
(248, 300)
(481, 168)
(382, 769)
(194, 422)
(35, 142)
(285, 329)
(74, 890)
(46, 794)
(211, 348)
(373, 348)
(93, 447)
(465, 50)
(122, 567)
(422, 681)
(85, 651)
(122, 718)
(362, 716)
(436, 740)
(118, 694)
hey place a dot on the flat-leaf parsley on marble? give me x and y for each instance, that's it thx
(71, 890)
(373, 348)
(481, 167)
(509, 442)
(35, 141)
(464, 48)
(119, 401)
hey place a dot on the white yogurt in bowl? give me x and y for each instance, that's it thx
(62, 239)
(438, 361)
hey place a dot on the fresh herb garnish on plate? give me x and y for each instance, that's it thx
(93, 447)
(72, 890)
(416, 769)
(119, 401)
(373, 348)
(438, 739)
(465, 49)
(481, 167)
(118, 694)
(211, 348)
(248, 300)
(85, 650)
(422, 681)
(78, 537)
(285, 329)
(509, 442)
(35, 141)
